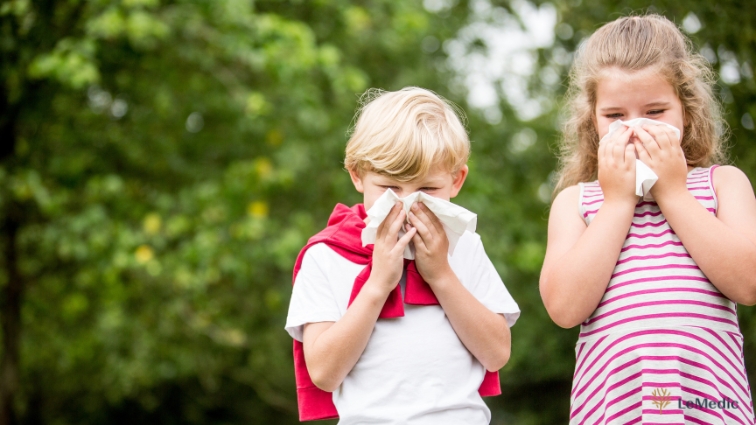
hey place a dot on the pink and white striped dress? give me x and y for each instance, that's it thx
(664, 341)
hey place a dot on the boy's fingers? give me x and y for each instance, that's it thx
(426, 216)
(422, 229)
(419, 244)
(404, 240)
(393, 231)
(433, 218)
(383, 227)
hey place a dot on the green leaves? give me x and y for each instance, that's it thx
(71, 63)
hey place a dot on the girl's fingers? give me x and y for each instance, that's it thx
(651, 145)
(642, 152)
(621, 143)
(658, 134)
(618, 148)
(630, 157)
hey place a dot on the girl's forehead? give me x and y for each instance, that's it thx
(626, 86)
(627, 76)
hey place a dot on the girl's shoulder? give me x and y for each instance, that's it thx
(566, 205)
(733, 190)
(728, 175)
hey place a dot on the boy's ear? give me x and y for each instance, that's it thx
(357, 181)
(458, 180)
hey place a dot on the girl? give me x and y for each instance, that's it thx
(654, 285)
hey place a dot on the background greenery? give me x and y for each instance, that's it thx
(162, 163)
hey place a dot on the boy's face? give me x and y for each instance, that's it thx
(439, 183)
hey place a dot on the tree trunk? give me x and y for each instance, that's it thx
(10, 316)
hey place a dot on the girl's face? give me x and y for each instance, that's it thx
(625, 95)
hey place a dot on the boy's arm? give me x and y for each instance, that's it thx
(332, 349)
(484, 333)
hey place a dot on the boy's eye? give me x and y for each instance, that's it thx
(427, 189)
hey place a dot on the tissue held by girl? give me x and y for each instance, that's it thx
(653, 284)
(381, 339)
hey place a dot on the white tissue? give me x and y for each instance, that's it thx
(644, 176)
(455, 219)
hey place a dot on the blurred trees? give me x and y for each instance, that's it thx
(162, 163)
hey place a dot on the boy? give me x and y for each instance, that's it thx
(399, 344)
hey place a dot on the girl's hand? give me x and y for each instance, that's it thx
(616, 168)
(431, 244)
(659, 148)
(388, 251)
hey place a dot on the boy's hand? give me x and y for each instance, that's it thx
(431, 243)
(388, 251)
(659, 148)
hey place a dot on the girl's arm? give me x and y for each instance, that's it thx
(724, 247)
(332, 349)
(580, 259)
(484, 333)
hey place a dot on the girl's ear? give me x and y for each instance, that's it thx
(357, 181)
(458, 179)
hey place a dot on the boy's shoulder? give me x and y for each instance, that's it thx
(469, 246)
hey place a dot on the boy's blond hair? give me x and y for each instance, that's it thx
(636, 43)
(406, 133)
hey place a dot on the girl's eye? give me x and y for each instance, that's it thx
(614, 116)
(656, 112)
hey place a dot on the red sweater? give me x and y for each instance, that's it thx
(343, 235)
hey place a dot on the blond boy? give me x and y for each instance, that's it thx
(429, 363)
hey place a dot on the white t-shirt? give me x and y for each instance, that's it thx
(414, 370)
